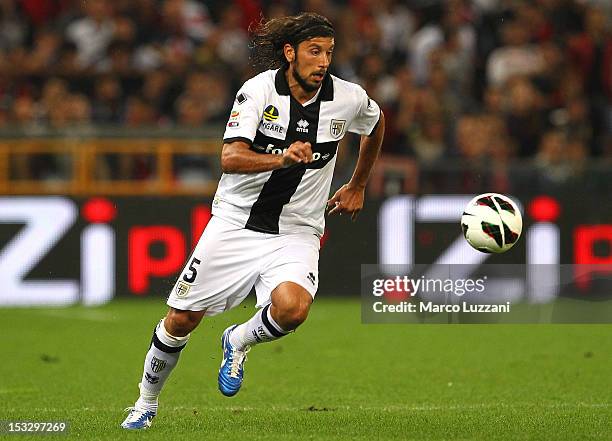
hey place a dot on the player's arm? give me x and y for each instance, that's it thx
(349, 198)
(240, 133)
(369, 149)
(237, 157)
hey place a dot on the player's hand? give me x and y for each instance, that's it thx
(348, 199)
(297, 152)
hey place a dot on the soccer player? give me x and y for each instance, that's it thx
(278, 157)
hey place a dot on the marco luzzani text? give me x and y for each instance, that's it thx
(403, 287)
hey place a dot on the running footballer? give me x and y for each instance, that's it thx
(278, 157)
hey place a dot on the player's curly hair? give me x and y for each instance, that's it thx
(270, 37)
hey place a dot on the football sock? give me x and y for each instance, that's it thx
(163, 355)
(260, 328)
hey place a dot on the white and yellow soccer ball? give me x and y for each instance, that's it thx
(492, 223)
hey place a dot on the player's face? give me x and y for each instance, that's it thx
(311, 62)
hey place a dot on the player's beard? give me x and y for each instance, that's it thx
(302, 81)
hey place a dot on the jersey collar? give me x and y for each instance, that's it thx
(282, 88)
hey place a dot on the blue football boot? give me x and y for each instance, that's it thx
(232, 366)
(138, 419)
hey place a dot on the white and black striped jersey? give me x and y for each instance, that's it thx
(269, 119)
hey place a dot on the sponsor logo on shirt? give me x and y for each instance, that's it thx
(234, 120)
(272, 127)
(270, 113)
(274, 150)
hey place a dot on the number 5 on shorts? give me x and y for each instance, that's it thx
(190, 278)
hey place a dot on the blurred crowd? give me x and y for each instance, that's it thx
(480, 81)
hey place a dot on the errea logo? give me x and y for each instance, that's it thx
(311, 277)
(302, 126)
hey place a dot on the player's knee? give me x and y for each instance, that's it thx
(180, 323)
(290, 305)
(295, 315)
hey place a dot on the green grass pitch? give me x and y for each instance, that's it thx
(334, 379)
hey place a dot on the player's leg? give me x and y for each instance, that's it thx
(290, 304)
(288, 309)
(170, 337)
(215, 274)
(285, 288)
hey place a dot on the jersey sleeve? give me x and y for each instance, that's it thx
(367, 117)
(246, 114)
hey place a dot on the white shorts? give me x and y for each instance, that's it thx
(229, 260)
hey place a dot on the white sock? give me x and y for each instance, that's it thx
(260, 328)
(146, 400)
(162, 357)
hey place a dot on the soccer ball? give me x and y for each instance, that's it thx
(491, 223)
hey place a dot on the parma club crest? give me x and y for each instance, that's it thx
(157, 365)
(182, 289)
(336, 128)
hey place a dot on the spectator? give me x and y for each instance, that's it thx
(455, 62)
(192, 112)
(24, 111)
(212, 90)
(79, 110)
(53, 94)
(591, 52)
(455, 19)
(119, 60)
(450, 101)
(68, 60)
(190, 16)
(396, 23)
(470, 138)
(524, 118)
(139, 112)
(429, 143)
(159, 90)
(44, 54)
(106, 108)
(552, 160)
(515, 57)
(494, 100)
(231, 41)
(92, 33)
(476, 81)
(13, 30)
(578, 121)
(372, 74)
